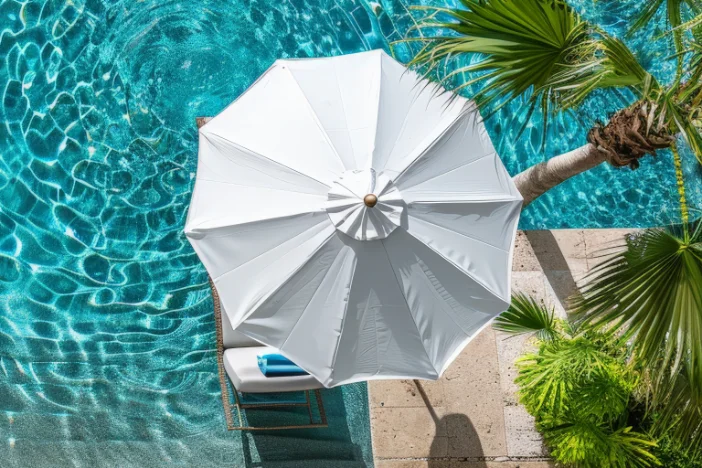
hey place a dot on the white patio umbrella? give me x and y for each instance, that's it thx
(354, 218)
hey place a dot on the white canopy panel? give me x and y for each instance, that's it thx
(355, 217)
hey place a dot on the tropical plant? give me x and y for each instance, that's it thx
(526, 315)
(544, 50)
(578, 387)
(650, 294)
(672, 455)
(674, 10)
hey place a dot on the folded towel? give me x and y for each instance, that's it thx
(276, 365)
(276, 359)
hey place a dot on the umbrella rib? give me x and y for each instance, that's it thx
(433, 143)
(456, 232)
(341, 328)
(304, 311)
(369, 159)
(377, 343)
(456, 266)
(259, 187)
(314, 294)
(263, 253)
(343, 110)
(398, 179)
(442, 301)
(249, 166)
(282, 283)
(409, 309)
(316, 119)
(397, 138)
(211, 229)
(257, 155)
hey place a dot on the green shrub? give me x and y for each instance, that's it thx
(578, 387)
(673, 455)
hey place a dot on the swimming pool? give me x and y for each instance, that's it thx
(106, 329)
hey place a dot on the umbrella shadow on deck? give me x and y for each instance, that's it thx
(306, 448)
(453, 432)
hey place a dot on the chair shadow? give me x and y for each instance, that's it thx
(463, 437)
(305, 448)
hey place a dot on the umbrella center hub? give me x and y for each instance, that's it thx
(370, 200)
(365, 204)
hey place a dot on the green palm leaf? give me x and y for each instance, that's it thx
(675, 10)
(677, 414)
(564, 373)
(651, 293)
(526, 315)
(589, 445)
(538, 45)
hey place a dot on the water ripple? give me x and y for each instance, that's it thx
(106, 329)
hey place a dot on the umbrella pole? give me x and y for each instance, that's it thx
(424, 396)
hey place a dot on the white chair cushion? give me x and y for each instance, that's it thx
(242, 367)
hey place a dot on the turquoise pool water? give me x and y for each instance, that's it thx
(106, 328)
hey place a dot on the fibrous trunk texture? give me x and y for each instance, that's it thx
(537, 179)
(629, 135)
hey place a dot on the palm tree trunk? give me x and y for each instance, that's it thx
(539, 178)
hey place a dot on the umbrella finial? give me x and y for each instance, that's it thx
(370, 200)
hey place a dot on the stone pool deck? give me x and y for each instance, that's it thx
(470, 417)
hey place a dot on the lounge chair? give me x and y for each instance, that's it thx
(237, 360)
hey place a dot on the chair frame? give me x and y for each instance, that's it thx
(230, 405)
(227, 402)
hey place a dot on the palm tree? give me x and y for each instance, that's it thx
(545, 50)
(650, 294)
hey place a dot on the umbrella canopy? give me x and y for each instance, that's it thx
(355, 218)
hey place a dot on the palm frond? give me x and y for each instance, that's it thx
(651, 293)
(589, 445)
(607, 63)
(677, 413)
(646, 12)
(523, 42)
(693, 22)
(526, 315)
(552, 381)
(539, 48)
(675, 11)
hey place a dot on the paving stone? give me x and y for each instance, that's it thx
(600, 244)
(559, 250)
(478, 361)
(509, 348)
(475, 418)
(507, 464)
(475, 404)
(523, 440)
(409, 433)
(531, 283)
(460, 464)
(414, 464)
(524, 258)
(497, 464)
(477, 431)
(409, 464)
(561, 287)
(405, 393)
